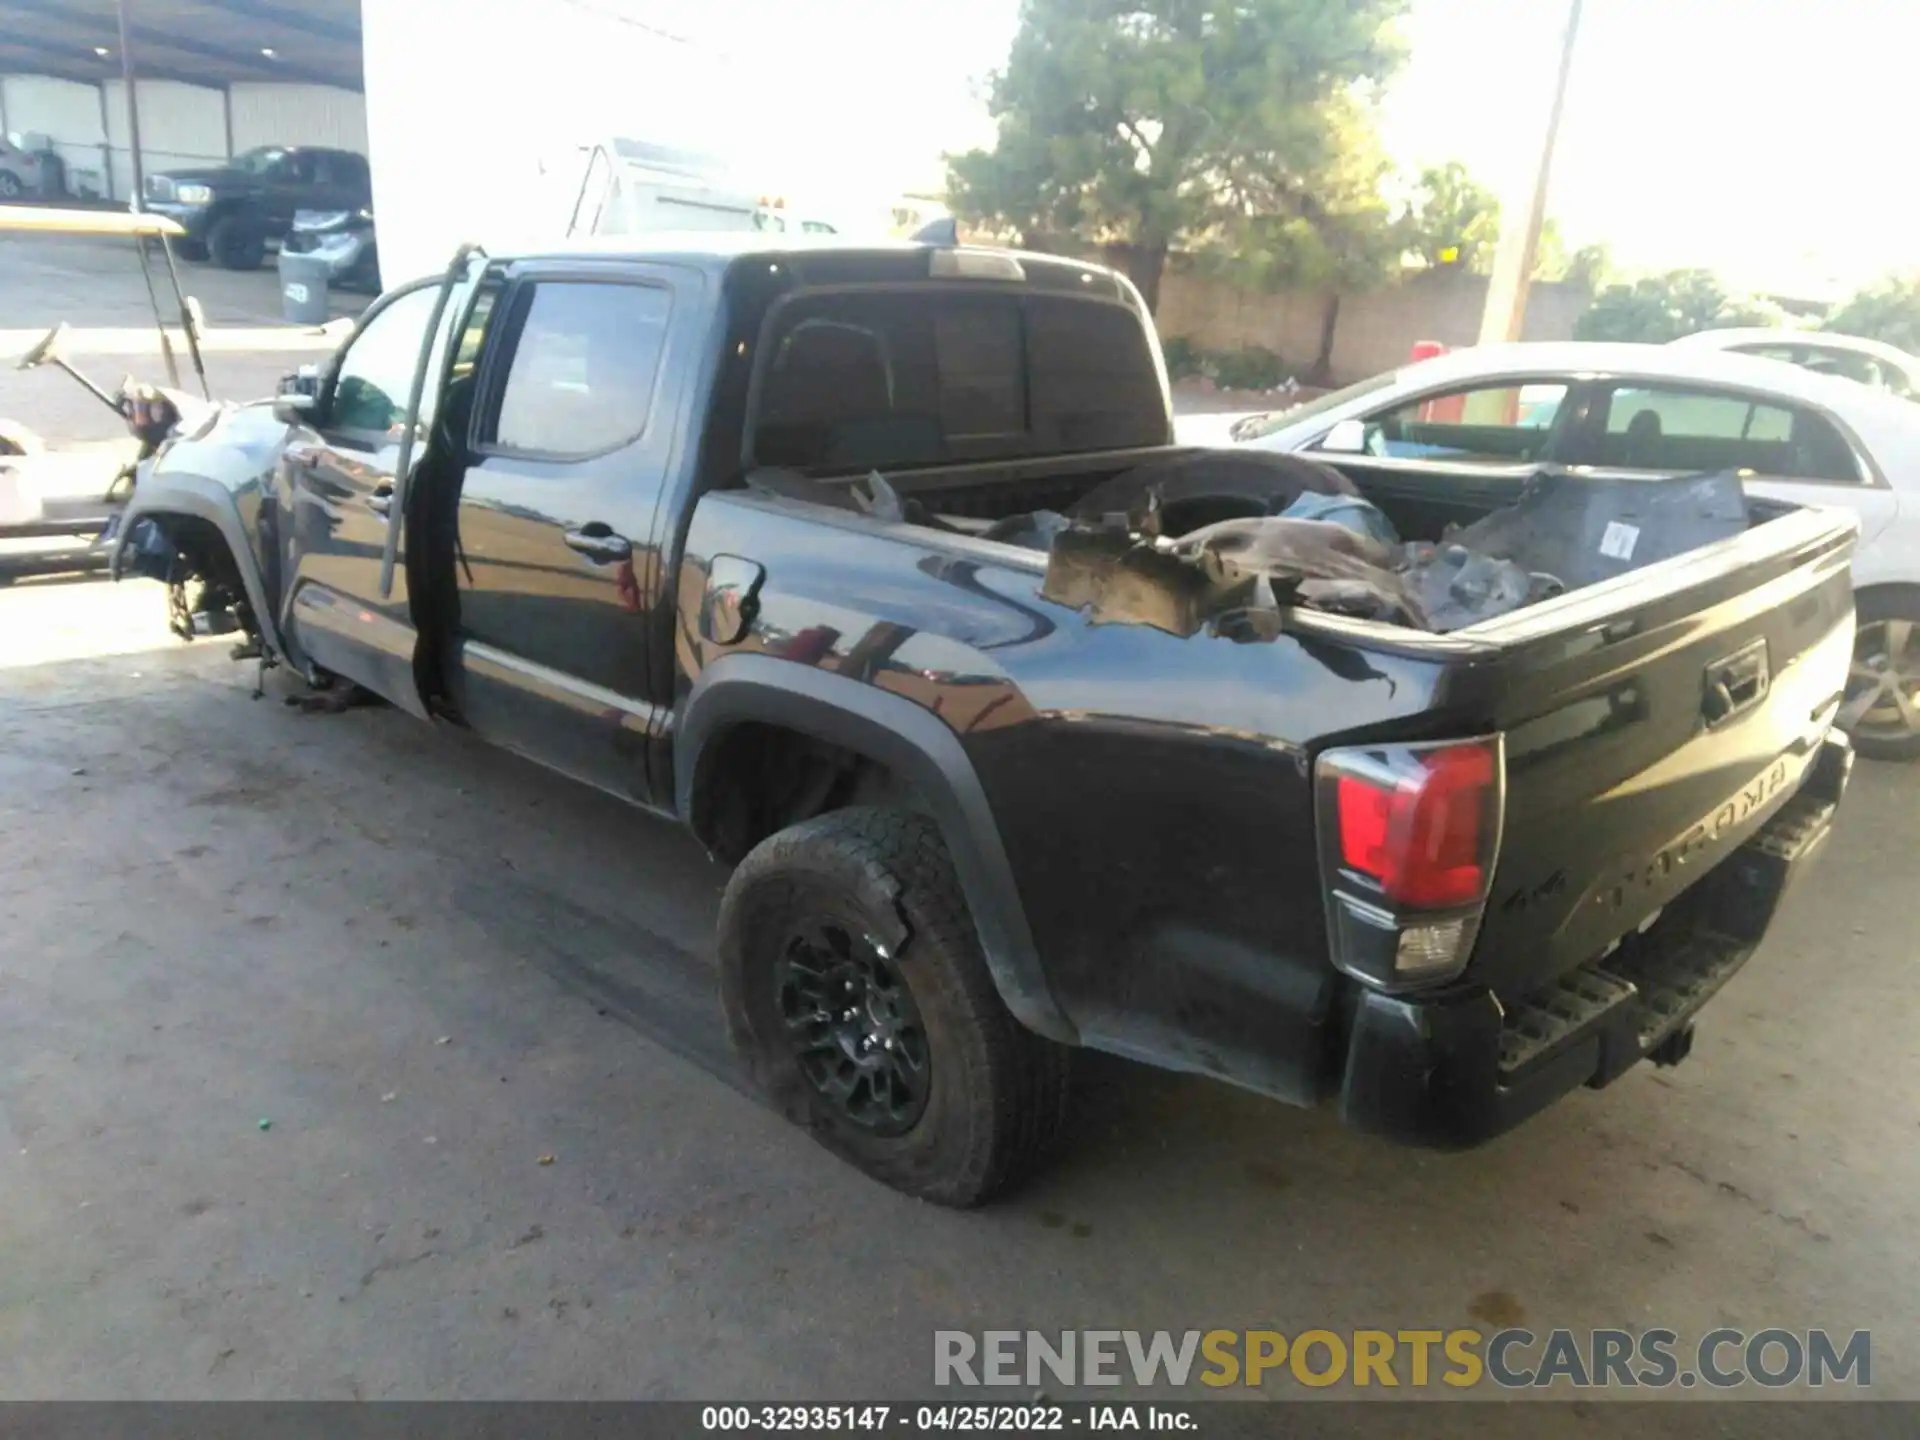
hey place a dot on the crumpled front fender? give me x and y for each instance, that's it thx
(216, 475)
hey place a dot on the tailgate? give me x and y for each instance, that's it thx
(1653, 723)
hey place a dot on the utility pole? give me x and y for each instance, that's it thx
(1519, 248)
(133, 113)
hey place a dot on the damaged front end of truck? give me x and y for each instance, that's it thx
(201, 524)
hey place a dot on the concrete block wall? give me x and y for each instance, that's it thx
(1377, 329)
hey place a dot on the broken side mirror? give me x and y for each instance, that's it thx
(1347, 437)
(298, 396)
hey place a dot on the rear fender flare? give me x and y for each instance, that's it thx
(919, 748)
(157, 496)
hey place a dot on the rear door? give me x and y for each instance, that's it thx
(576, 432)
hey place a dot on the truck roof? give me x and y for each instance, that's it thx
(718, 251)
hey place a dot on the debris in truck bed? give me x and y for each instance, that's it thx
(1584, 529)
(1036, 530)
(1459, 587)
(1199, 488)
(1354, 512)
(1565, 531)
(1115, 572)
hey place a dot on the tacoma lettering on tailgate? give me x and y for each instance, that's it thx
(1706, 835)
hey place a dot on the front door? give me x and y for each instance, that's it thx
(574, 437)
(337, 479)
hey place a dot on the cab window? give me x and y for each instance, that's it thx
(1673, 429)
(1847, 364)
(581, 379)
(1485, 424)
(375, 373)
(856, 380)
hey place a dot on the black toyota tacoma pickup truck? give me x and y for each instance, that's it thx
(615, 509)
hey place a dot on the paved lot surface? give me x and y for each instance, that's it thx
(96, 287)
(428, 966)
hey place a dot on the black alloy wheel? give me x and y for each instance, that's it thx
(855, 1030)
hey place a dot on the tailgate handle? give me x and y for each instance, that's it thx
(1736, 684)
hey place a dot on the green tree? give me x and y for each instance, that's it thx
(1590, 265)
(1888, 312)
(1150, 123)
(1659, 308)
(1329, 232)
(1454, 220)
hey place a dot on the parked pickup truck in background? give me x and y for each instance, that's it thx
(233, 212)
(742, 530)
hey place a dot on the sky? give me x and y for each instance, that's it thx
(1769, 140)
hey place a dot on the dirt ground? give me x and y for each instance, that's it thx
(294, 1009)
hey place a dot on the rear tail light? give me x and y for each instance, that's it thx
(1409, 838)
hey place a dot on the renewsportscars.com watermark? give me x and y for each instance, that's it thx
(1511, 1359)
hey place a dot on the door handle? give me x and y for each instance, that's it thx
(1736, 684)
(597, 542)
(381, 500)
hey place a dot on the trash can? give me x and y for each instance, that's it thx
(303, 288)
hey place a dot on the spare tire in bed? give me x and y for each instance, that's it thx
(1200, 489)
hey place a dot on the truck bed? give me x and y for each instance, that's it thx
(1620, 770)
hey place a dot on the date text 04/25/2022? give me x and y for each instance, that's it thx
(939, 1418)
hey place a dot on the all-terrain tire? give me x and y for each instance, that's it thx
(998, 1094)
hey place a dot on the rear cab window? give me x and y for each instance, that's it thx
(929, 375)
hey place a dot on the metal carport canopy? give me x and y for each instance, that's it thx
(198, 42)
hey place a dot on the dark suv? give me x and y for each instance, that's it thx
(230, 212)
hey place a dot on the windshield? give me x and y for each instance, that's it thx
(260, 159)
(1333, 400)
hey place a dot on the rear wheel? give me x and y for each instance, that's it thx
(856, 992)
(236, 245)
(1882, 705)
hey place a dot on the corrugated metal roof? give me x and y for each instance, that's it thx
(201, 42)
